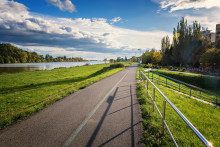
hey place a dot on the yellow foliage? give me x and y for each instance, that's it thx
(177, 35)
(157, 57)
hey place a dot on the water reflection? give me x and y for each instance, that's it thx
(22, 67)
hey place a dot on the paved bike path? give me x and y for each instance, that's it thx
(103, 114)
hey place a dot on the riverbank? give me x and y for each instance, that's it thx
(25, 67)
(22, 94)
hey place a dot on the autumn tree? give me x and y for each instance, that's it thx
(157, 56)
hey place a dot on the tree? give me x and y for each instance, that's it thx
(166, 53)
(187, 43)
(111, 60)
(48, 58)
(147, 57)
(105, 60)
(126, 59)
(118, 59)
(217, 43)
(211, 57)
(165, 44)
(133, 59)
(1, 59)
(157, 58)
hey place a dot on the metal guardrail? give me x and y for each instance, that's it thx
(143, 77)
(214, 99)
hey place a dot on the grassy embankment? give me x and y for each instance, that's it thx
(183, 88)
(22, 94)
(209, 83)
(204, 117)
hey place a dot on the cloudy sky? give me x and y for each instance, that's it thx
(98, 29)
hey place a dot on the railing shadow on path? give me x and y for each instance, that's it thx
(131, 128)
(110, 101)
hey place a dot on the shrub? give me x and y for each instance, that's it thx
(182, 70)
(117, 65)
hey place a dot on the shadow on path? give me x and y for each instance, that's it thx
(110, 101)
(119, 134)
(92, 138)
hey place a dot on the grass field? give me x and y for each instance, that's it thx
(209, 83)
(184, 89)
(204, 117)
(22, 94)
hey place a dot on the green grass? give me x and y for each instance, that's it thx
(209, 83)
(22, 94)
(204, 117)
(183, 88)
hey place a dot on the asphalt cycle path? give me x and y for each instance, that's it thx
(106, 113)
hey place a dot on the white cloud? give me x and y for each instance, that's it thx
(116, 19)
(66, 5)
(63, 34)
(203, 11)
(207, 18)
(175, 5)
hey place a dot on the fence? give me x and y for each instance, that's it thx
(146, 82)
(189, 89)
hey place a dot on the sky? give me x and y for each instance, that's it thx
(98, 29)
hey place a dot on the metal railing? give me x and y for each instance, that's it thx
(144, 78)
(199, 93)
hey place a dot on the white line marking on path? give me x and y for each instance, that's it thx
(71, 138)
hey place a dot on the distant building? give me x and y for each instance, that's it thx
(217, 31)
(209, 36)
(212, 37)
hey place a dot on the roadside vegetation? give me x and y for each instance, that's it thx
(204, 117)
(22, 94)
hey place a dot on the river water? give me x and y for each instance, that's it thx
(22, 67)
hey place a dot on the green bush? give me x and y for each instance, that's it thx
(117, 65)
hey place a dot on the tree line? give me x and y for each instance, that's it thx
(12, 54)
(189, 48)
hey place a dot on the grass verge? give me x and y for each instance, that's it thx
(22, 94)
(204, 117)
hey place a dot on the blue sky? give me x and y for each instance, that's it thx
(98, 29)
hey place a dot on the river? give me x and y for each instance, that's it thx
(22, 67)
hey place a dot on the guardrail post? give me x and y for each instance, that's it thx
(152, 77)
(163, 118)
(159, 80)
(153, 98)
(166, 81)
(190, 91)
(147, 89)
(147, 84)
